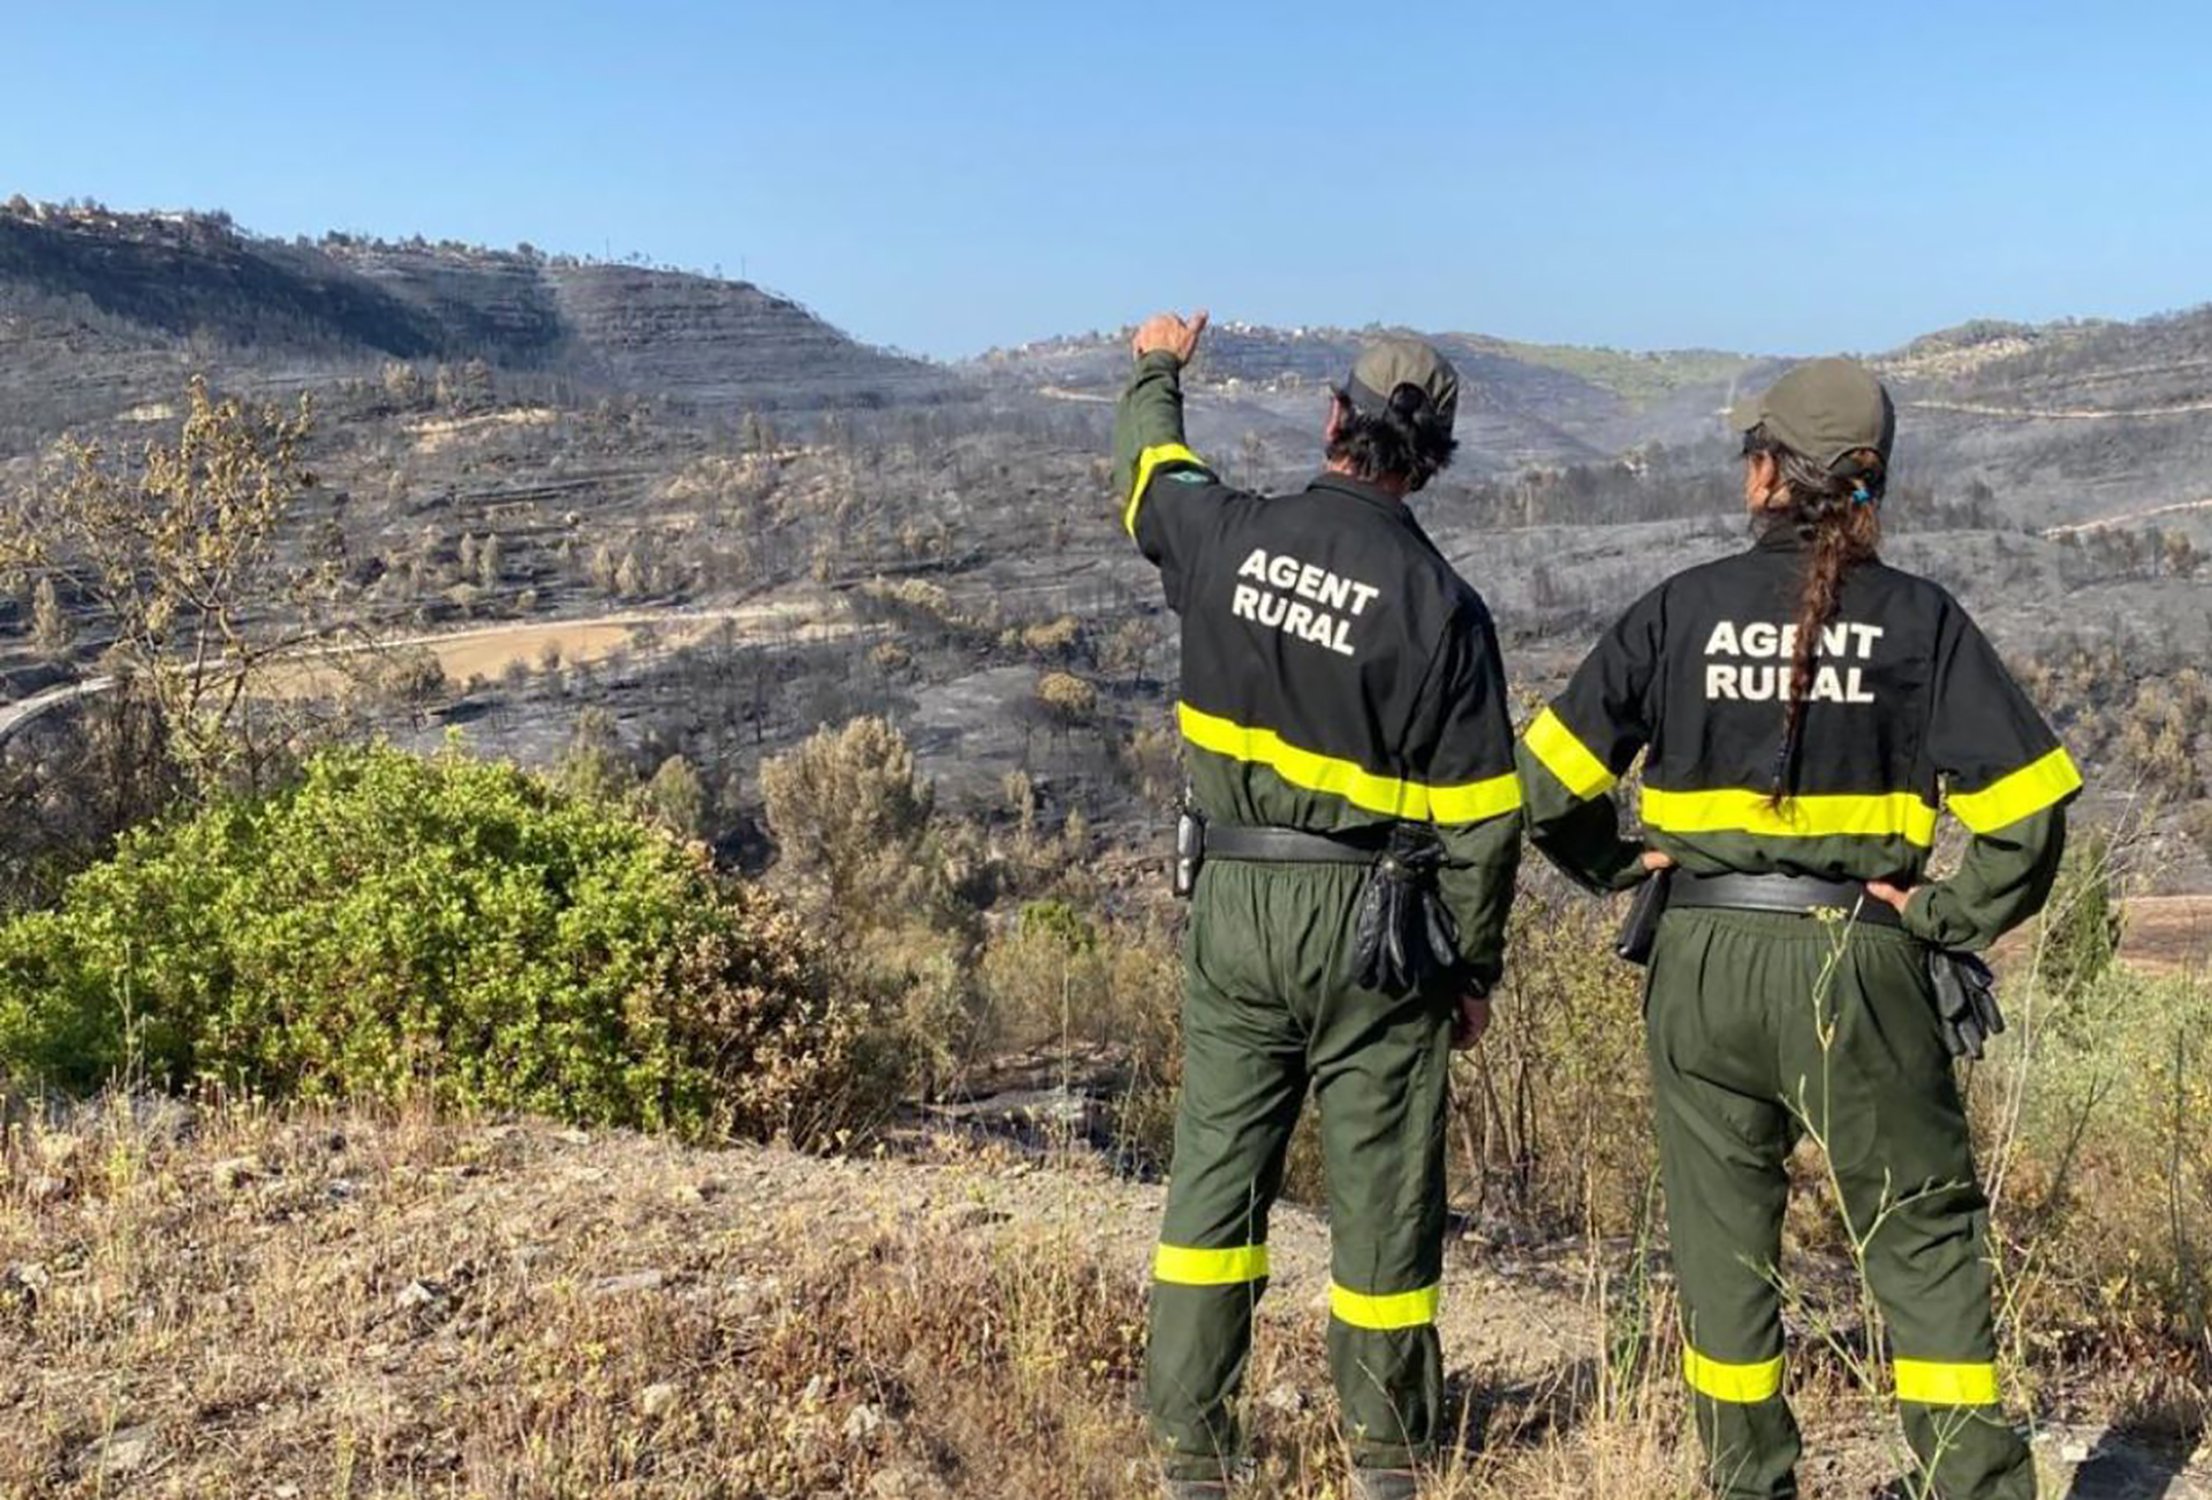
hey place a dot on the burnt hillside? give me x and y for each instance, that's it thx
(99, 311)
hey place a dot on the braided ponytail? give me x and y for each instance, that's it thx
(1837, 513)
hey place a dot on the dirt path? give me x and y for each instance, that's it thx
(488, 650)
(2106, 523)
(2169, 934)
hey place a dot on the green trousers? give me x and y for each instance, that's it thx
(1268, 1016)
(1762, 1028)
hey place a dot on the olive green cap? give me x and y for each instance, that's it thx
(1388, 363)
(1823, 410)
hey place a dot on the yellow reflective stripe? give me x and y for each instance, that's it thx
(2023, 794)
(1928, 1383)
(1895, 815)
(1471, 802)
(1148, 464)
(1183, 1266)
(1739, 1385)
(1388, 1312)
(1558, 751)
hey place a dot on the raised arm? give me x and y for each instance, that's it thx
(1148, 424)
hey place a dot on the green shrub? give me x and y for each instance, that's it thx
(2107, 1176)
(446, 929)
(2082, 923)
(1056, 978)
(1057, 919)
(850, 812)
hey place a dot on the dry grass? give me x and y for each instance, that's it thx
(235, 1301)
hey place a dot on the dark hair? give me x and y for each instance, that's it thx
(1837, 512)
(1408, 439)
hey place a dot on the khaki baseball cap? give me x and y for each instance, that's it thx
(1388, 363)
(1823, 410)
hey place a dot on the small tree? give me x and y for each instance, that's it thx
(849, 809)
(51, 632)
(2083, 922)
(411, 678)
(1067, 699)
(403, 384)
(1128, 648)
(594, 766)
(677, 799)
(178, 557)
(604, 567)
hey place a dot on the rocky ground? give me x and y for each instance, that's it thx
(230, 1302)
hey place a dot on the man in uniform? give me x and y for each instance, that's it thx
(1766, 1018)
(1342, 693)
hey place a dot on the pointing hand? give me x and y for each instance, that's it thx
(1168, 333)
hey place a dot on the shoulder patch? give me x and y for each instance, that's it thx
(1191, 476)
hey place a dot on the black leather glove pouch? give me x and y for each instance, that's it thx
(1405, 936)
(1966, 1001)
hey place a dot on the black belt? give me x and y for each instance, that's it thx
(1292, 846)
(1798, 895)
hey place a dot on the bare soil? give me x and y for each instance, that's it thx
(2168, 934)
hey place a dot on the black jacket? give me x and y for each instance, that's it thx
(1337, 673)
(1910, 708)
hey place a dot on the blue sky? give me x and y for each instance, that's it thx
(947, 176)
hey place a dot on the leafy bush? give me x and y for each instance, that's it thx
(2082, 924)
(1052, 979)
(849, 808)
(397, 928)
(1067, 699)
(2107, 1176)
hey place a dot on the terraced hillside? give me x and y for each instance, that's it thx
(101, 311)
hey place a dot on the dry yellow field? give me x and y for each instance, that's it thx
(488, 651)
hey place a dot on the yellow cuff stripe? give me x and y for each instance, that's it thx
(1149, 462)
(1896, 815)
(1575, 764)
(1180, 1265)
(1386, 1313)
(1738, 1385)
(1472, 802)
(2023, 794)
(1927, 1383)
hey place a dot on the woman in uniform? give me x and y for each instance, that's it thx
(1805, 710)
